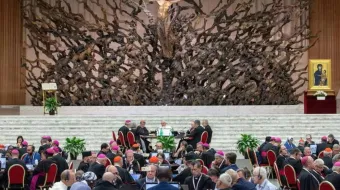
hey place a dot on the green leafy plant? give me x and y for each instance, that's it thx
(51, 104)
(74, 147)
(167, 141)
(247, 141)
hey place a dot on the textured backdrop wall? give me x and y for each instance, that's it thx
(189, 52)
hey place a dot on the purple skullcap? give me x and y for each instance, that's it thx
(111, 141)
(129, 151)
(25, 143)
(15, 151)
(272, 138)
(324, 138)
(337, 164)
(127, 121)
(219, 153)
(304, 160)
(50, 151)
(56, 142)
(206, 145)
(277, 139)
(101, 156)
(115, 147)
(56, 149)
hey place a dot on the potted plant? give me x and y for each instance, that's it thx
(320, 95)
(247, 141)
(168, 142)
(74, 147)
(51, 105)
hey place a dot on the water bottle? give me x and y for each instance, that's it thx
(161, 132)
(36, 162)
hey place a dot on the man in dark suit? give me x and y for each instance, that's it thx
(331, 140)
(327, 158)
(334, 178)
(295, 160)
(60, 161)
(150, 177)
(322, 146)
(98, 167)
(125, 129)
(231, 162)
(188, 158)
(123, 173)
(138, 157)
(194, 134)
(198, 180)
(164, 175)
(15, 160)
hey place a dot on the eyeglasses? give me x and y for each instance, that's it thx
(115, 173)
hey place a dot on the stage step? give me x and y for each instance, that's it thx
(226, 129)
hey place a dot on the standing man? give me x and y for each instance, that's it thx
(195, 133)
(143, 131)
(125, 129)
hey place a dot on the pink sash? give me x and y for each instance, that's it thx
(282, 172)
(264, 154)
(35, 180)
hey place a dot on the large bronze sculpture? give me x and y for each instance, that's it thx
(180, 55)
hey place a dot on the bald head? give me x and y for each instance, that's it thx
(108, 176)
(68, 177)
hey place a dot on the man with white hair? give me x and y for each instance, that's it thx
(261, 181)
(334, 178)
(224, 182)
(318, 170)
(98, 167)
(336, 149)
(307, 180)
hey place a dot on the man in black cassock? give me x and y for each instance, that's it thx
(307, 180)
(85, 163)
(194, 134)
(98, 167)
(295, 160)
(334, 178)
(125, 129)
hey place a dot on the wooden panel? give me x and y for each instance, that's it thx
(10, 53)
(325, 16)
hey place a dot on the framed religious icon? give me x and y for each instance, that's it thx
(320, 75)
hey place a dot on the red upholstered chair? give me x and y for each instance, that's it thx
(204, 137)
(131, 138)
(204, 170)
(114, 136)
(277, 173)
(16, 176)
(253, 159)
(50, 177)
(121, 139)
(326, 185)
(290, 176)
(201, 161)
(108, 162)
(320, 154)
(70, 165)
(23, 156)
(271, 157)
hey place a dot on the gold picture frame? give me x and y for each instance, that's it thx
(320, 75)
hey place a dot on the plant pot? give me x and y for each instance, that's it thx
(245, 156)
(52, 112)
(321, 97)
(73, 157)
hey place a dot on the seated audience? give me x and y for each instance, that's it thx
(123, 173)
(307, 180)
(214, 174)
(164, 176)
(322, 146)
(85, 163)
(181, 151)
(261, 181)
(295, 160)
(281, 161)
(301, 145)
(40, 170)
(59, 160)
(130, 164)
(106, 182)
(245, 174)
(331, 140)
(104, 149)
(159, 147)
(198, 180)
(195, 133)
(45, 144)
(266, 141)
(117, 180)
(89, 178)
(230, 160)
(31, 156)
(23, 148)
(219, 161)
(319, 170)
(150, 176)
(309, 141)
(15, 160)
(266, 147)
(336, 149)
(208, 129)
(20, 139)
(239, 183)
(98, 167)
(308, 152)
(289, 144)
(161, 159)
(327, 157)
(139, 157)
(186, 172)
(224, 182)
(336, 158)
(68, 178)
(208, 156)
(80, 186)
(334, 177)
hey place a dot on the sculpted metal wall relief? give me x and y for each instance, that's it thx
(184, 55)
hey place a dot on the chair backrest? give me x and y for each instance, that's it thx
(201, 161)
(271, 157)
(114, 136)
(326, 185)
(205, 170)
(131, 138)
(252, 157)
(70, 165)
(51, 175)
(277, 173)
(290, 175)
(16, 175)
(23, 156)
(108, 162)
(121, 138)
(204, 137)
(320, 154)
